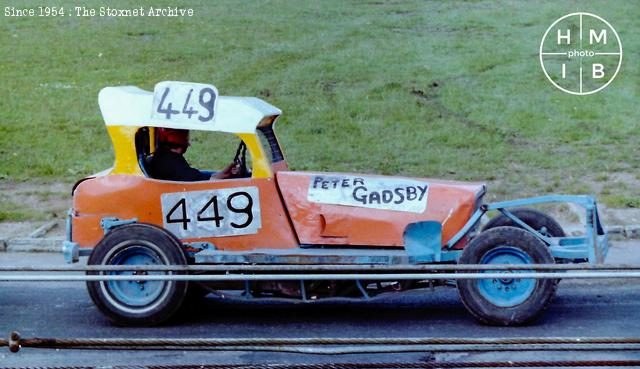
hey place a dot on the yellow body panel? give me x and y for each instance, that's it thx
(124, 148)
(261, 166)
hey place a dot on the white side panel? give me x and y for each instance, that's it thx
(212, 213)
(132, 106)
(390, 193)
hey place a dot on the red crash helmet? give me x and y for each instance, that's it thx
(178, 137)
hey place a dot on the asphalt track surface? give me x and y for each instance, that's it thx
(585, 308)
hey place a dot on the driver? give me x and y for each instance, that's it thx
(169, 163)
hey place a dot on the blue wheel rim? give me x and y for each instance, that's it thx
(506, 292)
(136, 293)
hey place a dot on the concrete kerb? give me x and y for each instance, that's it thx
(54, 244)
(618, 232)
(632, 231)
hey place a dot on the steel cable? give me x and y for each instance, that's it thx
(381, 365)
(378, 349)
(34, 342)
(304, 268)
(368, 345)
(319, 277)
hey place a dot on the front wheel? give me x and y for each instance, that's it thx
(137, 303)
(506, 301)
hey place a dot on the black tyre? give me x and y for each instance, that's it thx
(506, 301)
(196, 292)
(535, 219)
(137, 303)
(194, 299)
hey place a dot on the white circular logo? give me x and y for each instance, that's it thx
(580, 53)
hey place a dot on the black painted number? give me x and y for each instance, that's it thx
(245, 210)
(189, 111)
(207, 103)
(216, 214)
(184, 220)
(168, 111)
(206, 99)
(211, 211)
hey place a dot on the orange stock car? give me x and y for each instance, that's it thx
(291, 221)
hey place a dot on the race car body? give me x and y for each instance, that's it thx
(272, 215)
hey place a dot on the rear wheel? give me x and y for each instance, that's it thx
(541, 222)
(506, 301)
(133, 302)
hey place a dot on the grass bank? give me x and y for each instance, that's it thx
(440, 89)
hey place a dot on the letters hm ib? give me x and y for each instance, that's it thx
(597, 69)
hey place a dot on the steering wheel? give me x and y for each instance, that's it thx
(241, 161)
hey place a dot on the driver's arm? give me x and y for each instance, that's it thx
(231, 171)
